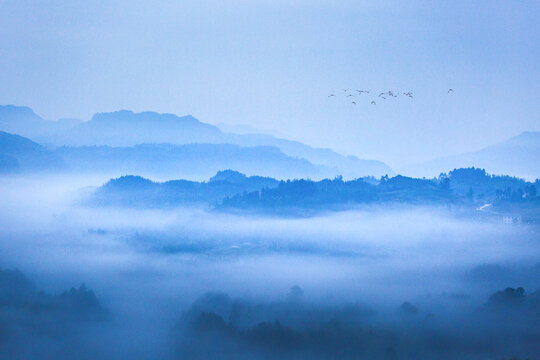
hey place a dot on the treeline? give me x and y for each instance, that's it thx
(136, 191)
(73, 325)
(217, 326)
(36, 324)
(460, 186)
(230, 190)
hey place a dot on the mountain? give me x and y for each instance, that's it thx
(349, 166)
(136, 191)
(471, 191)
(187, 161)
(23, 121)
(19, 154)
(235, 177)
(519, 156)
(125, 128)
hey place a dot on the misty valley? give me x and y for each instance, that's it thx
(224, 246)
(135, 279)
(269, 180)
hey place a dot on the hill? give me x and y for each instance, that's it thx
(137, 191)
(519, 156)
(195, 161)
(125, 128)
(471, 190)
(23, 121)
(19, 154)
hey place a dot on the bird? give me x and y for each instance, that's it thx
(350, 95)
(383, 97)
(373, 103)
(331, 95)
(381, 94)
(450, 90)
(409, 94)
(363, 91)
(345, 90)
(354, 103)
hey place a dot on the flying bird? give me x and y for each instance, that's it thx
(354, 103)
(350, 95)
(450, 90)
(409, 94)
(331, 95)
(373, 103)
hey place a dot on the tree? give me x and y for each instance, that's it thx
(470, 193)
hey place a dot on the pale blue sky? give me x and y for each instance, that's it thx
(271, 65)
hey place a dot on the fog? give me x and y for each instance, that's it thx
(392, 270)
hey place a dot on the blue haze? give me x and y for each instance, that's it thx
(271, 65)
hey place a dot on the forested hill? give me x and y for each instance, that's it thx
(136, 191)
(467, 187)
(231, 190)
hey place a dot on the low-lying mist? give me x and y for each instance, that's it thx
(389, 283)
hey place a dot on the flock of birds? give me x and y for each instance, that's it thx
(384, 95)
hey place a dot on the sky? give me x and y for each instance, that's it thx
(272, 65)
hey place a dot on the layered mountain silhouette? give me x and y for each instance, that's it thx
(125, 129)
(23, 121)
(466, 189)
(138, 191)
(198, 161)
(519, 156)
(19, 154)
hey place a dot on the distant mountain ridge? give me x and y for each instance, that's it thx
(22, 120)
(519, 156)
(165, 161)
(19, 154)
(138, 191)
(125, 128)
(471, 190)
(196, 161)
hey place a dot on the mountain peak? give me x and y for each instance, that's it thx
(125, 128)
(14, 109)
(145, 116)
(230, 176)
(518, 155)
(10, 115)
